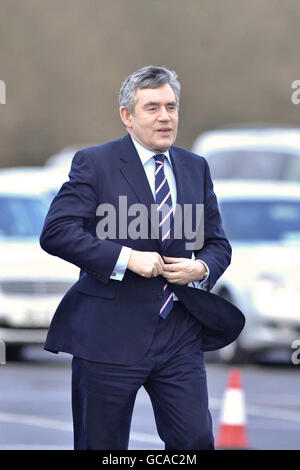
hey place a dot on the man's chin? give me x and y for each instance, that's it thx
(163, 145)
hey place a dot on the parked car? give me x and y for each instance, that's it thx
(63, 158)
(31, 282)
(265, 152)
(41, 181)
(262, 223)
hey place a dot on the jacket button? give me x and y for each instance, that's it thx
(159, 296)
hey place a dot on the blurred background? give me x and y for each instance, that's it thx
(63, 63)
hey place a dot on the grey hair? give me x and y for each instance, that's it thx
(147, 77)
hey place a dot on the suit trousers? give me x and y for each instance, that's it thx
(173, 374)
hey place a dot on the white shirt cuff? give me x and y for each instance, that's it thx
(121, 264)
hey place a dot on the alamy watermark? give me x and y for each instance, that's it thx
(132, 221)
(2, 352)
(295, 97)
(296, 354)
(2, 92)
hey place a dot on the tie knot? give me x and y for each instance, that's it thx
(159, 158)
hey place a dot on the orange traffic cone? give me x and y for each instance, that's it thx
(232, 431)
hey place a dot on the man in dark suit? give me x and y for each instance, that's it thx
(140, 313)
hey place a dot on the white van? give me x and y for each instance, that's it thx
(262, 152)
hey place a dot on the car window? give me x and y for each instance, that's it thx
(246, 220)
(246, 164)
(21, 216)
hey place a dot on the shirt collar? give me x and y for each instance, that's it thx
(146, 154)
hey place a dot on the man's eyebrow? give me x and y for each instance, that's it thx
(153, 103)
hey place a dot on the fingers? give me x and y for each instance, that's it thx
(173, 267)
(158, 265)
(152, 264)
(178, 272)
(170, 259)
(161, 261)
(172, 277)
(146, 264)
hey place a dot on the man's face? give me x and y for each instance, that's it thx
(155, 118)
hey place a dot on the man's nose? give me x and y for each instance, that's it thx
(163, 114)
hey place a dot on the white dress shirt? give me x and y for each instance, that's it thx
(148, 162)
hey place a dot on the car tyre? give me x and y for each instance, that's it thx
(14, 353)
(233, 354)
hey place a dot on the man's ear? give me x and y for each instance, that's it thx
(125, 117)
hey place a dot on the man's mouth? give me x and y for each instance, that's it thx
(164, 130)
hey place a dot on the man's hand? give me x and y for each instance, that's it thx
(146, 263)
(183, 270)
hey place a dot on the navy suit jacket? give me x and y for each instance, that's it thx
(106, 320)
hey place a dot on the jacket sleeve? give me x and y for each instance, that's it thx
(65, 233)
(216, 250)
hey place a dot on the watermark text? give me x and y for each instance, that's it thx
(2, 352)
(135, 222)
(2, 92)
(296, 354)
(295, 97)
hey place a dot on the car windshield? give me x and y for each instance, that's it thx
(21, 216)
(255, 164)
(264, 220)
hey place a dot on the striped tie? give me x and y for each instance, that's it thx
(165, 217)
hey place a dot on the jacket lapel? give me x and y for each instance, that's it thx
(183, 187)
(189, 192)
(133, 171)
